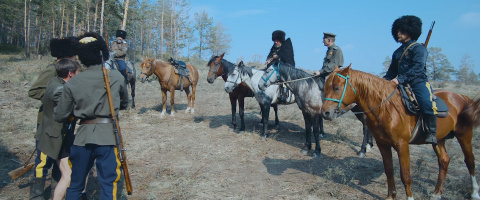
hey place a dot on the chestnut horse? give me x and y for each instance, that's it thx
(221, 67)
(392, 126)
(169, 82)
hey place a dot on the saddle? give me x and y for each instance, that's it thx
(181, 69)
(411, 104)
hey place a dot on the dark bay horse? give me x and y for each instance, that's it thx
(392, 126)
(221, 67)
(131, 74)
(169, 82)
(266, 98)
(309, 100)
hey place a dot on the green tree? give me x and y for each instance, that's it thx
(386, 65)
(439, 67)
(202, 25)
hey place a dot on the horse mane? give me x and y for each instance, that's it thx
(375, 87)
(286, 70)
(245, 70)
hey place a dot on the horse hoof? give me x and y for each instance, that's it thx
(438, 197)
(321, 134)
(316, 155)
(361, 154)
(263, 138)
(192, 111)
(304, 151)
(369, 148)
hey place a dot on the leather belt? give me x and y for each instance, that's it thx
(96, 121)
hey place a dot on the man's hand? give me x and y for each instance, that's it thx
(395, 81)
(316, 73)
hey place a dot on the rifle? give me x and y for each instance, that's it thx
(116, 131)
(14, 174)
(429, 34)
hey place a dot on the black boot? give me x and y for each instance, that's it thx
(430, 123)
(36, 189)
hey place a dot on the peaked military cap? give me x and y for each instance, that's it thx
(121, 33)
(89, 47)
(328, 35)
(278, 35)
(63, 47)
(409, 24)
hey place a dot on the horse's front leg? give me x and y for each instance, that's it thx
(277, 122)
(241, 110)
(386, 152)
(265, 114)
(164, 102)
(308, 138)
(403, 153)
(132, 86)
(367, 142)
(194, 90)
(233, 103)
(172, 101)
(316, 133)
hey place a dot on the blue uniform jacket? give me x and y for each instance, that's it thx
(412, 68)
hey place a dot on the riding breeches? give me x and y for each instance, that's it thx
(424, 95)
(122, 68)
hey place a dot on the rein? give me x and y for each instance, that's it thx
(278, 82)
(343, 95)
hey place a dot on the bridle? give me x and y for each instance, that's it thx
(338, 110)
(235, 84)
(275, 70)
(217, 64)
(151, 70)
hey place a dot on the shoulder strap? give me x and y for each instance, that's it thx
(401, 57)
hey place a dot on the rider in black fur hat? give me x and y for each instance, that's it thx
(282, 50)
(89, 47)
(409, 24)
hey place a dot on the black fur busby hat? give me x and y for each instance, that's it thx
(278, 35)
(121, 33)
(63, 47)
(89, 47)
(409, 24)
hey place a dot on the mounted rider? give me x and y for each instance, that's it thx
(333, 57)
(281, 51)
(119, 49)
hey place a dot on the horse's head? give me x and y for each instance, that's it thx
(269, 77)
(147, 69)
(215, 65)
(238, 75)
(339, 94)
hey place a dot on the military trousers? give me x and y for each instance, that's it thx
(424, 95)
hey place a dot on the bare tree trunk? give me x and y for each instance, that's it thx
(101, 17)
(63, 15)
(95, 21)
(75, 17)
(25, 31)
(53, 23)
(161, 28)
(124, 24)
(88, 15)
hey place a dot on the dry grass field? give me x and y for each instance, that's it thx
(195, 156)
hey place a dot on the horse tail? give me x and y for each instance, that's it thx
(471, 112)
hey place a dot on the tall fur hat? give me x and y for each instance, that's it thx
(278, 35)
(63, 47)
(89, 47)
(412, 25)
(121, 33)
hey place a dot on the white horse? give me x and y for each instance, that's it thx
(266, 98)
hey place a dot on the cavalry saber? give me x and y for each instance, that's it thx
(116, 131)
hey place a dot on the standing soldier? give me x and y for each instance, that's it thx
(333, 57)
(60, 48)
(86, 95)
(119, 49)
(409, 67)
(56, 138)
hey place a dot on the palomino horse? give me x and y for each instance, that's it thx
(169, 82)
(266, 98)
(221, 67)
(309, 100)
(131, 74)
(392, 126)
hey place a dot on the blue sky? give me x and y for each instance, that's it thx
(363, 28)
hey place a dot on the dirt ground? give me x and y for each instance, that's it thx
(196, 156)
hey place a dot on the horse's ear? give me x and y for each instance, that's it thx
(221, 56)
(347, 70)
(241, 63)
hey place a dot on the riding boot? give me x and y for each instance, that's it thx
(36, 189)
(430, 123)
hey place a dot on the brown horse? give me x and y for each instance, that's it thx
(221, 67)
(169, 81)
(392, 126)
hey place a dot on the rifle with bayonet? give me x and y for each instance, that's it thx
(429, 34)
(116, 130)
